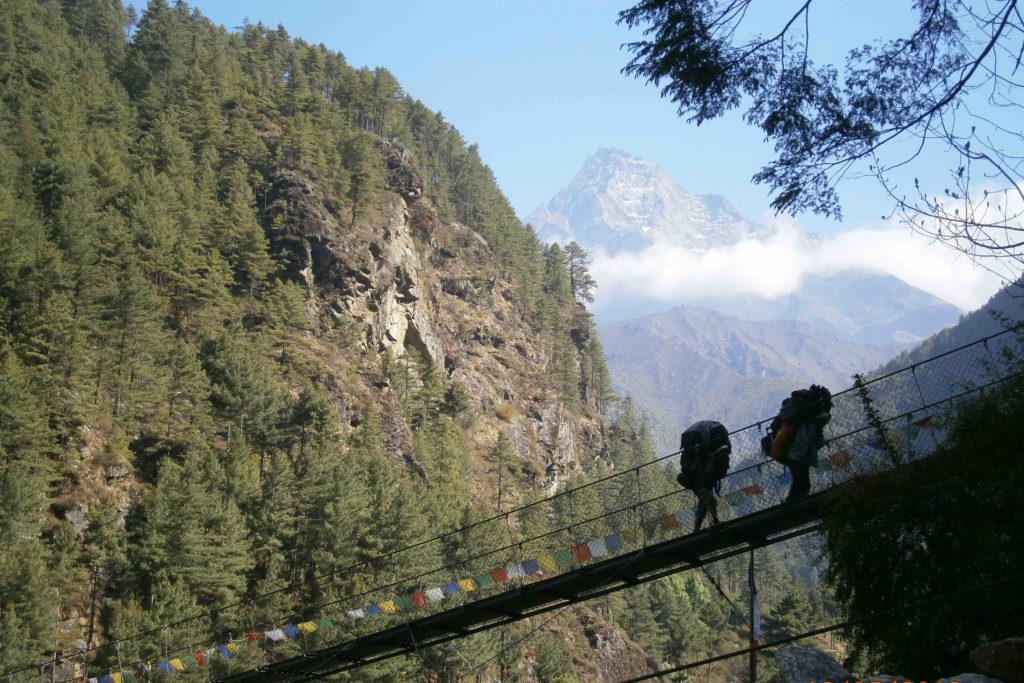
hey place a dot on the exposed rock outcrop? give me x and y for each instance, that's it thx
(413, 281)
(802, 663)
(799, 664)
(1003, 659)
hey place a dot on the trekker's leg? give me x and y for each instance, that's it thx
(707, 503)
(801, 485)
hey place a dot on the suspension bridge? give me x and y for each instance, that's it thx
(493, 577)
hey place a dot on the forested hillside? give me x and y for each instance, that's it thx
(265, 316)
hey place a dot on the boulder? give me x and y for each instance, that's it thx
(1003, 659)
(802, 663)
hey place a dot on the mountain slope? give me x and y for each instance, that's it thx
(690, 363)
(869, 308)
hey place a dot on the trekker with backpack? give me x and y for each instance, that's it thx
(797, 434)
(703, 462)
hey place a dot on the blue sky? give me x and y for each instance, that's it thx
(537, 85)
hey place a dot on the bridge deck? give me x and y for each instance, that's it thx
(693, 550)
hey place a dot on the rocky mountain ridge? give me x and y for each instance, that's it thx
(691, 363)
(619, 202)
(620, 205)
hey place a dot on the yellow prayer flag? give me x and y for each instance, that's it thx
(547, 563)
(116, 675)
(177, 664)
(467, 585)
(232, 647)
(307, 627)
(388, 607)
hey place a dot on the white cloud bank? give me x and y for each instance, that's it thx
(776, 266)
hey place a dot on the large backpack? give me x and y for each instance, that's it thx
(700, 440)
(802, 406)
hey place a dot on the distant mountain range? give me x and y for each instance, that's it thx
(727, 357)
(620, 204)
(692, 363)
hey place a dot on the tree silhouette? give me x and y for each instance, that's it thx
(950, 85)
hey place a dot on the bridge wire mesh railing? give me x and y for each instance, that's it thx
(615, 514)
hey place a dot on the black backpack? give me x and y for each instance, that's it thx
(701, 439)
(803, 405)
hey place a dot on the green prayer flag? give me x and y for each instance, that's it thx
(564, 558)
(324, 623)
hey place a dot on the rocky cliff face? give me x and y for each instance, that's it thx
(409, 281)
(622, 203)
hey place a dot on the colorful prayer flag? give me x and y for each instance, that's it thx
(840, 459)
(224, 652)
(419, 599)
(531, 567)
(325, 623)
(597, 547)
(547, 563)
(401, 602)
(499, 575)
(752, 490)
(613, 542)
(564, 558)
(165, 667)
(435, 594)
(467, 585)
(631, 536)
(356, 614)
(450, 588)
(176, 664)
(581, 552)
(484, 580)
(373, 611)
(307, 627)
(388, 607)
(515, 571)
(669, 522)
(733, 498)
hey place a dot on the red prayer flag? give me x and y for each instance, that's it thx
(251, 636)
(419, 599)
(581, 552)
(201, 658)
(669, 522)
(499, 575)
(752, 490)
(840, 459)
